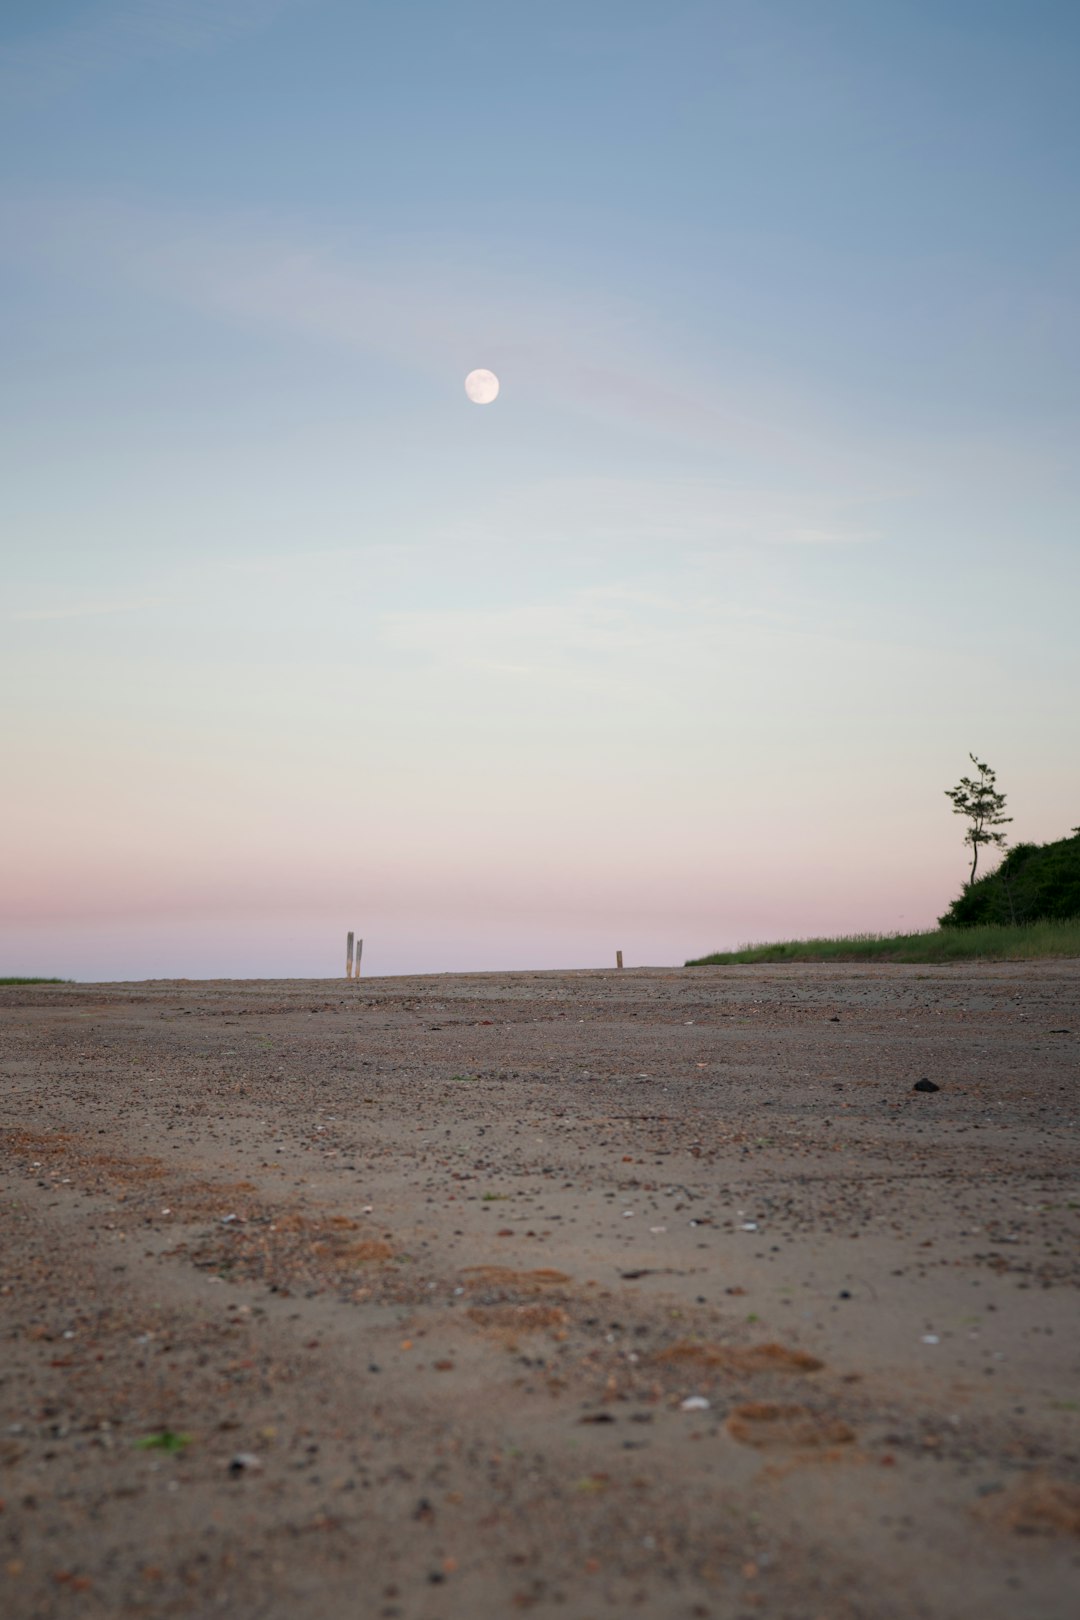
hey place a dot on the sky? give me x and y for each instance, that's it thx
(675, 645)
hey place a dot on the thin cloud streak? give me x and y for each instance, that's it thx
(253, 272)
(589, 353)
(117, 38)
(586, 639)
(689, 512)
(83, 610)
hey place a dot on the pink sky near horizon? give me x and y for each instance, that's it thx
(185, 820)
(190, 823)
(221, 911)
(302, 945)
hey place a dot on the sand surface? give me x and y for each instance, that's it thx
(578, 1294)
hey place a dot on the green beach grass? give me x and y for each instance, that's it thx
(36, 981)
(989, 943)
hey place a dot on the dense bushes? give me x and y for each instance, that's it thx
(1033, 882)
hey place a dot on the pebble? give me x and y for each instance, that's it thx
(244, 1462)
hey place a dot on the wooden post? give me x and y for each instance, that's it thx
(359, 954)
(348, 955)
(618, 959)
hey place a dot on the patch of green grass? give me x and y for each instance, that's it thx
(990, 942)
(163, 1440)
(36, 981)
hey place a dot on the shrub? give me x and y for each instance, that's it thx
(1034, 883)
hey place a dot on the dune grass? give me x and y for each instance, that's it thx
(989, 943)
(35, 981)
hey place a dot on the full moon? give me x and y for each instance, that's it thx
(482, 387)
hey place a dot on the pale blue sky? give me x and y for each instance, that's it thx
(778, 503)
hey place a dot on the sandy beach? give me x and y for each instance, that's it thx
(577, 1294)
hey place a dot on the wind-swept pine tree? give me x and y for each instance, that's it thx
(979, 800)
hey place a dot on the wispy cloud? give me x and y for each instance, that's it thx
(692, 513)
(634, 652)
(84, 610)
(117, 37)
(824, 537)
(563, 641)
(585, 639)
(424, 308)
(434, 310)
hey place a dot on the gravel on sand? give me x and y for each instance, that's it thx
(662, 1291)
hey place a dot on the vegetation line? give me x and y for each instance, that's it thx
(990, 942)
(36, 981)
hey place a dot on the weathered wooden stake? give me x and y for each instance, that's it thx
(348, 956)
(618, 958)
(359, 954)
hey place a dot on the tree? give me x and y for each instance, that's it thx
(979, 800)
